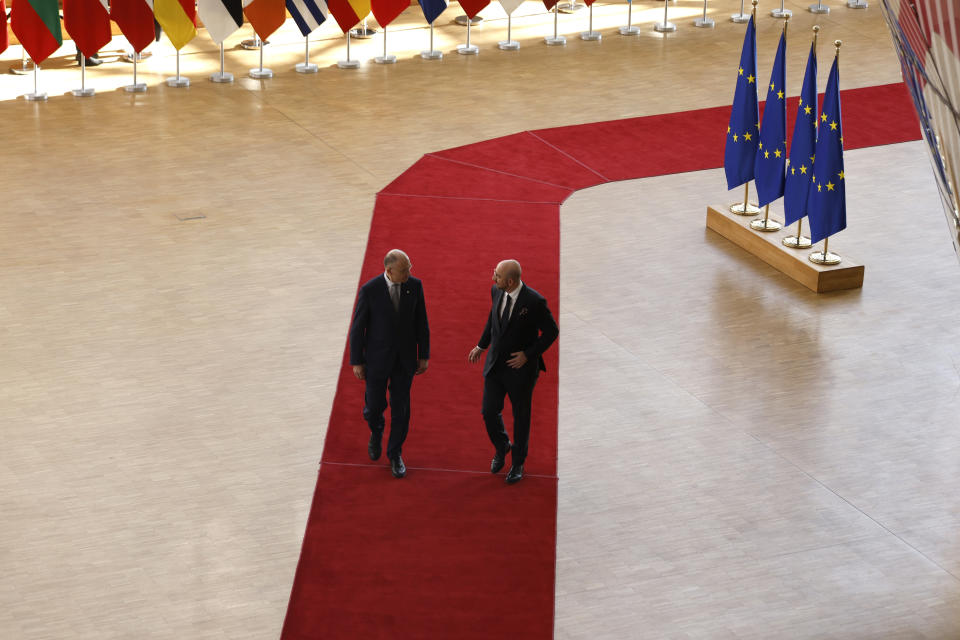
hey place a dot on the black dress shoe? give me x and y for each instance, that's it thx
(499, 459)
(375, 447)
(516, 474)
(398, 468)
(92, 61)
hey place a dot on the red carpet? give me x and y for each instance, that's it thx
(450, 551)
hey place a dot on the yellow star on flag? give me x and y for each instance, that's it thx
(746, 136)
(780, 94)
(806, 110)
(734, 137)
(823, 117)
(833, 126)
(750, 79)
(776, 152)
(766, 154)
(830, 186)
(803, 169)
(841, 175)
(740, 71)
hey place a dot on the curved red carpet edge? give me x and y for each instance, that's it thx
(451, 551)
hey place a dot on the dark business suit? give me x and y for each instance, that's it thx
(531, 329)
(390, 343)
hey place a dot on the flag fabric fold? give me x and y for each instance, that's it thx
(740, 151)
(348, 12)
(386, 11)
(827, 201)
(221, 17)
(266, 16)
(178, 19)
(771, 158)
(4, 39)
(308, 14)
(802, 145)
(432, 9)
(135, 19)
(36, 23)
(88, 23)
(473, 7)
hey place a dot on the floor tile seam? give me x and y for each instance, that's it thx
(559, 150)
(433, 469)
(847, 501)
(469, 198)
(433, 154)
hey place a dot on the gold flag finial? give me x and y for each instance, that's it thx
(837, 44)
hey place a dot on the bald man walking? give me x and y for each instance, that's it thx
(519, 329)
(389, 344)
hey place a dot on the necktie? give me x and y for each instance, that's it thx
(506, 310)
(395, 295)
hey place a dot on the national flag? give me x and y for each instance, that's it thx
(550, 4)
(386, 11)
(348, 12)
(135, 19)
(802, 145)
(827, 202)
(4, 41)
(308, 14)
(88, 23)
(178, 19)
(220, 17)
(509, 6)
(473, 7)
(740, 152)
(36, 23)
(772, 151)
(432, 9)
(266, 16)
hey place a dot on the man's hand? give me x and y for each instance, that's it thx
(518, 360)
(474, 355)
(421, 367)
(360, 370)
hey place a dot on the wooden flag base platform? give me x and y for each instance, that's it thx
(793, 262)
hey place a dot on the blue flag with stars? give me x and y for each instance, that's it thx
(772, 152)
(802, 146)
(827, 202)
(739, 155)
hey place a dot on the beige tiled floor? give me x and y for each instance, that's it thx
(166, 378)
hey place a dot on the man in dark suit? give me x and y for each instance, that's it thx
(519, 329)
(389, 344)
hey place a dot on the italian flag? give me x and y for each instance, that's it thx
(36, 23)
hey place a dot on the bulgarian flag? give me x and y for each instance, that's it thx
(266, 16)
(386, 11)
(348, 12)
(3, 27)
(88, 22)
(178, 19)
(135, 19)
(473, 7)
(36, 23)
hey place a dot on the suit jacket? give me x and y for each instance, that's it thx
(531, 329)
(380, 336)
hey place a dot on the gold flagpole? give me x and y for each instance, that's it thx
(747, 209)
(801, 241)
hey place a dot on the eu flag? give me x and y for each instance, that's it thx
(827, 202)
(772, 152)
(740, 153)
(802, 146)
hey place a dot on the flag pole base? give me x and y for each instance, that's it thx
(818, 8)
(591, 36)
(803, 242)
(431, 54)
(704, 23)
(259, 73)
(178, 81)
(740, 18)
(387, 59)
(741, 210)
(348, 64)
(253, 43)
(84, 93)
(462, 20)
(569, 7)
(22, 69)
(629, 30)
(824, 257)
(857, 4)
(467, 49)
(139, 87)
(765, 224)
(306, 67)
(221, 78)
(781, 13)
(555, 41)
(508, 45)
(362, 33)
(35, 97)
(664, 27)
